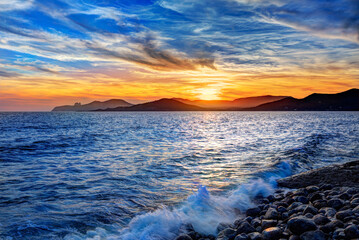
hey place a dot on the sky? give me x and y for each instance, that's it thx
(64, 51)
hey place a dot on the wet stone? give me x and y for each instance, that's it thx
(242, 236)
(281, 209)
(255, 236)
(253, 212)
(310, 209)
(299, 225)
(327, 211)
(326, 187)
(320, 204)
(344, 196)
(271, 214)
(331, 226)
(341, 215)
(256, 222)
(315, 196)
(222, 226)
(313, 235)
(338, 233)
(320, 219)
(336, 203)
(268, 223)
(312, 188)
(227, 234)
(272, 233)
(245, 227)
(248, 219)
(301, 199)
(183, 237)
(351, 232)
(354, 202)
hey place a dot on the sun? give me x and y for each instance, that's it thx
(208, 93)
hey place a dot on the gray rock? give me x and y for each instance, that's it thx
(338, 233)
(336, 203)
(320, 219)
(227, 234)
(312, 188)
(313, 235)
(308, 215)
(351, 232)
(271, 214)
(273, 233)
(253, 212)
(341, 215)
(310, 209)
(334, 175)
(183, 237)
(294, 205)
(301, 199)
(344, 196)
(354, 202)
(222, 226)
(299, 225)
(256, 222)
(255, 236)
(294, 237)
(328, 211)
(248, 219)
(320, 204)
(315, 196)
(331, 226)
(245, 227)
(281, 209)
(268, 223)
(242, 236)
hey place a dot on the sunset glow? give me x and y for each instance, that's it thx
(79, 51)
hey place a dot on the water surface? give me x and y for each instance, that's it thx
(73, 175)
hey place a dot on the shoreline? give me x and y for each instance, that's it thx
(317, 204)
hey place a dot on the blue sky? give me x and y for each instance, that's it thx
(63, 51)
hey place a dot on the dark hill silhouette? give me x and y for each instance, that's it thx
(95, 105)
(237, 103)
(164, 104)
(344, 101)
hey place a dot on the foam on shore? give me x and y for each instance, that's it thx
(202, 210)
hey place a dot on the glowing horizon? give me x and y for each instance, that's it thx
(62, 52)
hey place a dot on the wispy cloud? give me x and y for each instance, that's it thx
(7, 74)
(233, 45)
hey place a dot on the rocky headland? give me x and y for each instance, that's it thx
(321, 204)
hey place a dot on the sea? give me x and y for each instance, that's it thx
(146, 175)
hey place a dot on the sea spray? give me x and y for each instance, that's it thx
(201, 210)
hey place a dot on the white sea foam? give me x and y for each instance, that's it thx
(202, 210)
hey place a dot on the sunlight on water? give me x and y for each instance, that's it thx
(85, 175)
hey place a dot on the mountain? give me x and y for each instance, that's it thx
(95, 105)
(164, 104)
(237, 103)
(344, 101)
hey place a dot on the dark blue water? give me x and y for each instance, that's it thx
(103, 175)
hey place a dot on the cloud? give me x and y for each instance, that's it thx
(338, 19)
(7, 74)
(6, 5)
(154, 58)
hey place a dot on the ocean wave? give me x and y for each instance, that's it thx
(202, 210)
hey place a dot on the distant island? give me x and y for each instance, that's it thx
(95, 105)
(344, 101)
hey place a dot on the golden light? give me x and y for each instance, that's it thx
(208, 93)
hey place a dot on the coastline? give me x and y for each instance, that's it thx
(316, 204)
